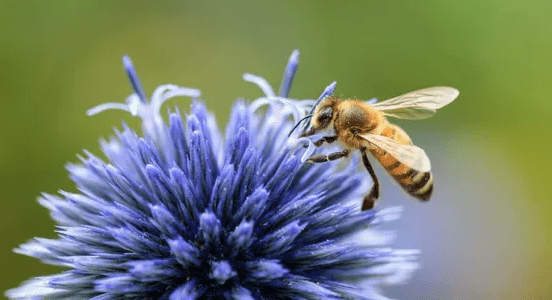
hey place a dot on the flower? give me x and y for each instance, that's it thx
(183, 213)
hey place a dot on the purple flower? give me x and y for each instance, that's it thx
(184, 212)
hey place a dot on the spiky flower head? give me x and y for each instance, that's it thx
(185, 213)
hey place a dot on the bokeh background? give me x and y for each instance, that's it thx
(487, 232)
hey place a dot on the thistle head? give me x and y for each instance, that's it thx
(186, 212)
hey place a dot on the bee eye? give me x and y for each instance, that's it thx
(325, 115)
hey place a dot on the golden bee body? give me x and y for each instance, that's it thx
(359, 125)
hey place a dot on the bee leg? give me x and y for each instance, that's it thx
(308, 133)
(319, 158)
(325, 139)
(370, 199)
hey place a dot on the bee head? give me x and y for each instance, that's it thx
(321, 117)
(323, 114)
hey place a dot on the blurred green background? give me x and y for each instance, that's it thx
(487, 232)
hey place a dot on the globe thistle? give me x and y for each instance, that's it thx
(184, 212)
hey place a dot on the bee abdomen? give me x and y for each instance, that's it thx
(417, 184)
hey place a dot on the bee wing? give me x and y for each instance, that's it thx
(410, 155)
(419, 104)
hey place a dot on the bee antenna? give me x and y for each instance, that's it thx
(297, 125)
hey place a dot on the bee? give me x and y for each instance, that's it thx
(359, 125)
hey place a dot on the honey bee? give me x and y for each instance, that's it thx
(359, 125)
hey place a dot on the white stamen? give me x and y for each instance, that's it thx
(257, 103)
(298, 108)
(134, 103)
(105, 106)
(160, 95)
(261, 83)
(299, 143)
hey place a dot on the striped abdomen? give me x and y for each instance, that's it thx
(417, 184)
